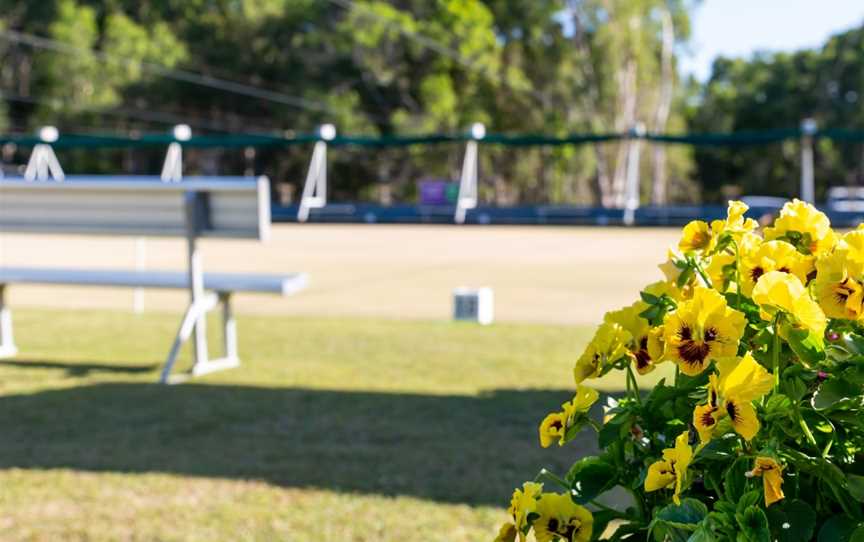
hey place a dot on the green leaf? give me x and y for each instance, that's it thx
(834, 391)
(754, 525)
(651, 299)
(702, 534)
(808, 346)
(855, 484)
(590, 477)
(676, 523)
(791, 521)
(838, 529)
(735, 479)
(857, 535)
(794, 388)
(778, 406)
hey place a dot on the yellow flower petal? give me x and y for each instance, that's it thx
(705, 421)
(552, 427)
(772, 478)
(562, 519)
(743, 417)
(701, 330)
(695, 236)
(744, 378)
(777, 291)
(507, 533)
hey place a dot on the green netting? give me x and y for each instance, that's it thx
(74, 141)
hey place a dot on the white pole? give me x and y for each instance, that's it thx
(315, 188)
(808, 180)
(467, 198)
(631, 202)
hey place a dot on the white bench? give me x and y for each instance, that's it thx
(221, 207)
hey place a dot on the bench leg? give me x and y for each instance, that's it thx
(229, 329)
(7, 340)
(229, 342)
(192, 319)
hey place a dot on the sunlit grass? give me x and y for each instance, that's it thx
(333, 429)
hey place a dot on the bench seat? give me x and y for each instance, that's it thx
(286, 284)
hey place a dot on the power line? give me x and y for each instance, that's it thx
(186, 76)
(135, 114)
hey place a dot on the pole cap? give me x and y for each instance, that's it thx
(182, 132)
(478, 130)
(48, 134)
(809, 126)
(327, 132)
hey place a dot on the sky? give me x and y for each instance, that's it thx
(735, 28)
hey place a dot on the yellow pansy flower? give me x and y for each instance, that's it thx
(735, 224)
(522, 504)
(701, 329)
(639, 330)
(771, 256)
(740, 382)
(507, 533)
(781, 292)
(671, 471)
(772, 478)
(695, 237)
(562, 519)
(555, 425)
(807, 228)
(662, 287)
(837, 286)
(607, 346)
(716, 270)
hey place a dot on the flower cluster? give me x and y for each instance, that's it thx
(761, 336)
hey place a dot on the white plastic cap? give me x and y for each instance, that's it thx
(49, 134)
(182, 132)
(327, 132)
(809, 126)
(478, 130)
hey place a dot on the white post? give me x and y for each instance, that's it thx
(631, 198)
(467, 198)
(43, 164)
(808, 181)
(315, 189)
(172, 168)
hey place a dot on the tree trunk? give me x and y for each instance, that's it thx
(664, 104)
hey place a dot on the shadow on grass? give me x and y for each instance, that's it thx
(467, 449)
(80, 369)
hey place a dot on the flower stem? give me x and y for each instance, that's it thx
(775, 352)
(807, 433)
(631, 378)
(702, 274)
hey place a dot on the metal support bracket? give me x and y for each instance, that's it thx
(467, 183)
(315, 189)
(43, 164)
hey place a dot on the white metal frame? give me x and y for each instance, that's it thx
(467, 198)
(43, 164)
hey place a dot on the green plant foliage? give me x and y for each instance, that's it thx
(759, 435)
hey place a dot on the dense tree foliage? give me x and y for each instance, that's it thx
(775, 92)
(387, 67)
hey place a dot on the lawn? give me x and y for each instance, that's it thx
(333, 429)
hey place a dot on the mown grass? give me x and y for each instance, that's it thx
(333, 429)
